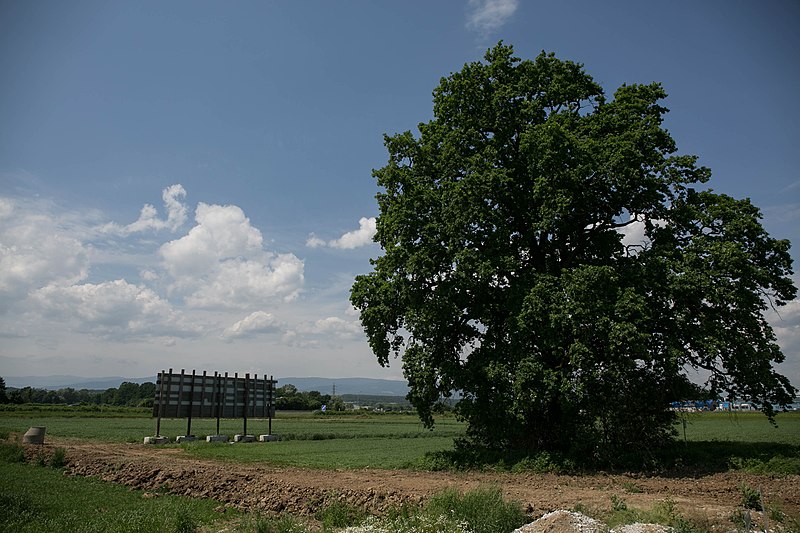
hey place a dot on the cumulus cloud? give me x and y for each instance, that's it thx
(148, 217)
(350, 240)
(338, 327)
(36, 250)
(487, 16)
(315, 242)
(114, 310)
(254, 324)
(221, 262)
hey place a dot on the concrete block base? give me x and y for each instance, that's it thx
(158, 439)
(185, 438)
(267, 438)
(34, 435)
(244, 438)
(217, 438)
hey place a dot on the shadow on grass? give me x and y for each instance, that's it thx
(697, 458)
(708, 457)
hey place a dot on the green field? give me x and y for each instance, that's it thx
(289, 425)
(711, 442)
(742, 427)
(88, 504)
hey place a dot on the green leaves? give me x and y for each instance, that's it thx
(504, 274)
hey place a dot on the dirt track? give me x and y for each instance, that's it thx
(711, 499)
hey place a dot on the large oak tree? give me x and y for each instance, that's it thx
(506, 274)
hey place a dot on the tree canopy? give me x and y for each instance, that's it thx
(511, 271)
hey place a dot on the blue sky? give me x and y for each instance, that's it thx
(188, 184)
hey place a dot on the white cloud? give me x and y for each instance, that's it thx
(338, 327)
(114, 310)
(148, 275)
(36, 249)
(222, 232)
(240, 283)
(148, 217)
(487, 16)
(221, 263)
(350, 240)
(633, 234)
(315, 242)
(257, 323)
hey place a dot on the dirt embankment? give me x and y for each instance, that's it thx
(711, 499)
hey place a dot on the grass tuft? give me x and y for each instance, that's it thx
(339, 514)
(279, 524)
(58, 459)
(11, 453)
(483, 510)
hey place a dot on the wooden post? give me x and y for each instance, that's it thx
(178, 413)
(244, 402)
(203, 397)
(160, 403)
(191, 404)
(254, 398)
(270, 402)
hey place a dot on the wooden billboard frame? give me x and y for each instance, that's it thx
(182, 395)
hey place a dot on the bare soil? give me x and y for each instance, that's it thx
(710, 499)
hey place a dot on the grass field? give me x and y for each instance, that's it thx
(42, 499)
(742, 427)
(713, 441)
(289, 425)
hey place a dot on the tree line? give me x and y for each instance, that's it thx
(288, 398)
(129, 394)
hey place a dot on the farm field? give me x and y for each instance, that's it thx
(289, 425)
(742, 427)
(377, 462)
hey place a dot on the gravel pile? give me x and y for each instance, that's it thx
(563, 522)
(572, 522)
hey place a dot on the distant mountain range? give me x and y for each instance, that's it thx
(351, 386)
(354, 386)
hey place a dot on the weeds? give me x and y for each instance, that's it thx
(183, 521)
(338, 514)
(483, 510)
(280, 524)
(751, 498)
(663, 512)
(631, 487)
(12, 453)
(58, 459)
(618, 504)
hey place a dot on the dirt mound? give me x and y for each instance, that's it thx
(712, 499)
